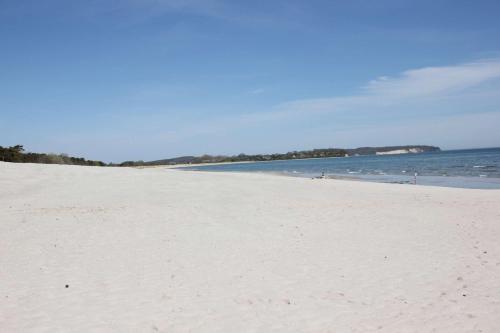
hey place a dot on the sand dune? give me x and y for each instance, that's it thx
(88, 249)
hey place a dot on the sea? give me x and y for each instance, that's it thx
(468, 168)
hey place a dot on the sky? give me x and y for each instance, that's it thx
(150, 79)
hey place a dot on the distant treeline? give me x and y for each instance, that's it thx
(16, 154)
(315, 153)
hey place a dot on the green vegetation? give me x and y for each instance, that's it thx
(315, 153)
(16, 154)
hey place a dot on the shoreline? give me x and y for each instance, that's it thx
(478, 183)
(465, 168)
(185, 165)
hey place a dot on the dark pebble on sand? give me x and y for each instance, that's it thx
(67, 286)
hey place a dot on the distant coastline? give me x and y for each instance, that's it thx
(17, 154)
(293, 155)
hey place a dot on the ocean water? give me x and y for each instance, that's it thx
(471, 168)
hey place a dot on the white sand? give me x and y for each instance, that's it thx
(158, 250)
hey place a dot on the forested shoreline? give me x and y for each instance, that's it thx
(17, 154)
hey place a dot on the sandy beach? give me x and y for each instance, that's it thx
(89, 249)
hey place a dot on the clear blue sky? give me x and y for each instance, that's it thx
(150, 79)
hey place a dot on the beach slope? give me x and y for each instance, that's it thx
(89, 249)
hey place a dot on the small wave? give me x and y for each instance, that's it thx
(354, 172)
